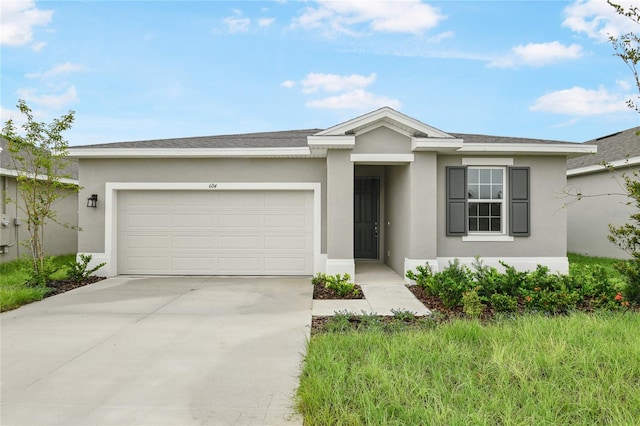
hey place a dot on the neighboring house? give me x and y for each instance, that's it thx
(58, 239)
(604, 199)
(381, 187)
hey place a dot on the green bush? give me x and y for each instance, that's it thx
(540, 290)
(631, 271)
(504, 303)
(471, 304)
(423, 279)
(78, 270)
(341, 284)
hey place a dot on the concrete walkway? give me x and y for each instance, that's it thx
(383, 289)
(157, 351)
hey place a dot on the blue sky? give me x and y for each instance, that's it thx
(163, 69)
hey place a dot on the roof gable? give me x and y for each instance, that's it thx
(387, 117)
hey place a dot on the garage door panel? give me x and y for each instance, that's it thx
(148, 220)
(286, 221)
(186, 264)
(245, 265)
(192, 242)
(279, 242)
(239, 221)
(279, 199)
(215, 233)
(239, 242)
(146, 241)
(191, 220)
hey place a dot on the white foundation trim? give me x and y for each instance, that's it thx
(555, 264)
(111, 209)
(341, 266)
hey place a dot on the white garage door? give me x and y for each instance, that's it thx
(215, 232)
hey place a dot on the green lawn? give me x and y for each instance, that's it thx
(13, 275)
(579, 369)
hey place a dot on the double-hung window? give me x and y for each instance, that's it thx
(488, 201)
(485, 188)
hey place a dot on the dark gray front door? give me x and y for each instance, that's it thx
(365, 212)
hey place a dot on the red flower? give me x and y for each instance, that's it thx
(618, 296)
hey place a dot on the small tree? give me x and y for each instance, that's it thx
(627, 236)
(40, 160)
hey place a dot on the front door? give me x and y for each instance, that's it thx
(365, 212)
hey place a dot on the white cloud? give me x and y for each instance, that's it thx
(597, 19)
(237, 23)
(55, 102)
(358, 99)
(17, 19)
(265, 22)
(342, 17)
(579, 101)
(335, 83)
(538, 54)
(288, 84)
(65, 68)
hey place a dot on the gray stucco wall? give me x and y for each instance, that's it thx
(382, 141)
(589, 218)
(548, 217)
(58, 239)
(339, 210)
(95, 172)
(397, 199)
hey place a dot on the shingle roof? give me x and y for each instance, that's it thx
(7, 164)
(617, 146)
(283, 139)
(472, 138)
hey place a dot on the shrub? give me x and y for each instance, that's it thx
(631, 271)
(471, 304)
(341, 284)
(424, 278)
(78, 269)
(504, 303)
(450, 284)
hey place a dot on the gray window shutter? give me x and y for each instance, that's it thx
(519, 202)
(456, 201)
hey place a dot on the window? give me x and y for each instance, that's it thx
(488, 201)
(485, 188)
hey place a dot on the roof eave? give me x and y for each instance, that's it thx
(296, 152)
(528, 148)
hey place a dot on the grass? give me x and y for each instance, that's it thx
(577, 369)
(13, 276)
(581, 260)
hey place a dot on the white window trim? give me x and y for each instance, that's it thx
(492, 236)
(485, 161)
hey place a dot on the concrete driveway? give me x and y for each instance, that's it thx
(157, 351)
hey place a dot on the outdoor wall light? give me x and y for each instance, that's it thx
(92, 201)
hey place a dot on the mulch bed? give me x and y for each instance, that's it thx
(320, 292)
(58, 287)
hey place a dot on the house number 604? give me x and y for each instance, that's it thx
(213, 185)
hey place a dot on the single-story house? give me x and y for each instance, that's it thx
(381, 187)
(599, 180)
(58, 239)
